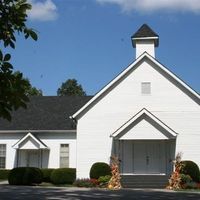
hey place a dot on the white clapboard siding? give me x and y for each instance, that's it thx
(51, 157)
(167, 102)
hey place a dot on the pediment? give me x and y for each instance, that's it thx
(144, 126)
(29, 141)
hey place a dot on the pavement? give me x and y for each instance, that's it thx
(8, 192)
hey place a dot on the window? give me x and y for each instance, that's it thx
(64, 155)
(2, 156)
(146, 88)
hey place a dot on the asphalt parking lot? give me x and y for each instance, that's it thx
(50, 193)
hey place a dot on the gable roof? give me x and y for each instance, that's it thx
(141, 114)
(145, 33)
(28, 137)
(46, 113)
(192, 93)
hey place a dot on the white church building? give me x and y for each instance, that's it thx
(144, 116)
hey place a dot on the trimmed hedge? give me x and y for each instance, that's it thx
(46, 172)
(4, 173)
(25, 176)
(191, 168)
(100, 169)
(63, 176)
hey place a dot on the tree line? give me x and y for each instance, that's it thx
(14, 88)
(70, 87)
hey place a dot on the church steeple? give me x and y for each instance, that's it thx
(145, 40)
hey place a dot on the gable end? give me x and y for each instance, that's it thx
(158, 66)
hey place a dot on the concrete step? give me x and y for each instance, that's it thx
(144, 181)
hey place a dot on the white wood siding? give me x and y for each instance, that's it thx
(51, 158)
(145, 46)
(143, 131)
(169, 103)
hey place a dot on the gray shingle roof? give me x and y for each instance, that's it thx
(46, 113)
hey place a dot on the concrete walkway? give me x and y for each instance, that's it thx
(8, 192)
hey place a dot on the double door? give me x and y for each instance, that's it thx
(144, 157)
(148, 157)
(29, 158)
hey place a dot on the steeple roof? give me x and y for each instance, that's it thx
(145, 32)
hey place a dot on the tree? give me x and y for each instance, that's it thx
(33, 91)
(13, 16)
(72, 88)
(29, 89)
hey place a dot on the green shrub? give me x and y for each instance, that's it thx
(99, 169)
(185, 178)
(86, 182)
(46, 174)
(4, 173)
(191, 185)
(25, 176)
(63, 176)
(191, 168)
(103, 180)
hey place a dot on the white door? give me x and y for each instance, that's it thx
(139, 158)
(148, 157)
(32, 158)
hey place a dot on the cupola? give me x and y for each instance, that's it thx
(145, 40)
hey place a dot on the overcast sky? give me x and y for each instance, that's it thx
(90, 40)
